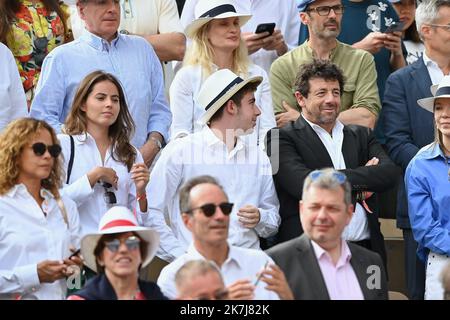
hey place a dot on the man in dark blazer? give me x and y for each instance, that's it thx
(352, 149)
(320, 265)
(408, 127)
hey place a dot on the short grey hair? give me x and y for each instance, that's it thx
(185, 191)
(428, 12)
(195, 268)
(328, 179)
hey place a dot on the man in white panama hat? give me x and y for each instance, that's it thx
(217, 150)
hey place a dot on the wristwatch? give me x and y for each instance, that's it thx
(157, 142)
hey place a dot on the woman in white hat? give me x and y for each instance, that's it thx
(38, 227)
(427, 181)
(117, 252)
(216, 44)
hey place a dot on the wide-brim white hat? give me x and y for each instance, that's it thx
(207, 10)
(441, 90)
(118, 219)
(218, 88)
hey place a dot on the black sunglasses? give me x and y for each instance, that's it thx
(39, 149)
(210, 208)
(40, 47)
(108, 196)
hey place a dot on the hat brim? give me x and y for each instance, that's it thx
(428, 103)
(195, 25)
(89, 243)
(221, 101)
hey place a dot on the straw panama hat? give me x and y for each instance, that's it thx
(441, 90)
(207, 10)
(218, 88)
(118, 220)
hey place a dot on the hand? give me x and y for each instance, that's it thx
(254, 41)
(249, 216)
(50, 270)
(291, 114)
(275, 42)
(276, 282)
(75, 261)
(141, 176)
(241, 290)
(373, 42)
(393, 42)
(104, 174)
(372, 162)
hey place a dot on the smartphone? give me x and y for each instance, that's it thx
(265, 27)
(75, 253)
(394, 27)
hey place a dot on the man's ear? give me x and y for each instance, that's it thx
(304, 18)
(231, 107)
(425, 31)
(186, 217)
(350, 209)
(300, 98)
(80, 9)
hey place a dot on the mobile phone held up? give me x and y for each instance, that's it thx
(75, 253)
(394, 27)
(265, 27)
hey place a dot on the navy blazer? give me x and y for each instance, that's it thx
(407, 126)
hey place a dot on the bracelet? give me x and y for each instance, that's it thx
(141, 196)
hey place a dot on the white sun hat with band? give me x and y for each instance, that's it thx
(118, 220)
(441, 90)
(218, 88)
(207, 10)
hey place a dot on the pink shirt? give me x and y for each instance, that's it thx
(340, 279)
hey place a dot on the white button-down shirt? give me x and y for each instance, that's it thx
(241, 263)
(28, 237)
(358, 228)
(186, 111)
(245, 174)
(12, 96)
(283, 12)
(90, 201)
(436, 73)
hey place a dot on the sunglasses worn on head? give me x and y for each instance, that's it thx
(132, 243)
(108, 196)
(339, 176)
(210, 208)
(39, 149)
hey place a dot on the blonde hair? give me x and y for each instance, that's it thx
(13, 140)
(201, 52)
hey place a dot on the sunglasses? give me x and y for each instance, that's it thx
(109, 196)
(220, 295)
(210, 208)
(339, 176)
(40, 47)
(39, 149)
(132, 243)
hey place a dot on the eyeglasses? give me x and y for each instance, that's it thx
(109, 196)
(40, 46)
(339, 176)
(39, 149)
(325, 10)
(219, 295)
(445, 26)
(210, 208)
(132, 243)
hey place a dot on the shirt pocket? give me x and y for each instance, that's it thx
(347, 96)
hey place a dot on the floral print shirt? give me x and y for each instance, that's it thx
(34, 21)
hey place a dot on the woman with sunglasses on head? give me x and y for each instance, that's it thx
(31, 29)
(103, 168)
(38, 228)
(216, 44)
(117, 252)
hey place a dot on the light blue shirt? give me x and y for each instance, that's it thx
(130, 58)
(428, 187)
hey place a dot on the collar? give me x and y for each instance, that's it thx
(83, 138)
(332, 53)
(211, 139)
(20, 188)
(427, 61)
(433, 151)
(97, 42)
(338, 126)
(344, 258)
(233, 255)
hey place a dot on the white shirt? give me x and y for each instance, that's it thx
(283, 12)
(241, 263)
(358, 228)
(13, 103)
(28, 237)
(90, 201)
(436, 74)
(245, 174)
(186, 111)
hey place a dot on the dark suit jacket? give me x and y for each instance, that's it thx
(301, 151)
(407, 126)
(299, 263)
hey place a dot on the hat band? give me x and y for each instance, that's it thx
(118, 223)
(442, 91)
(228, 87)
(218, 10)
